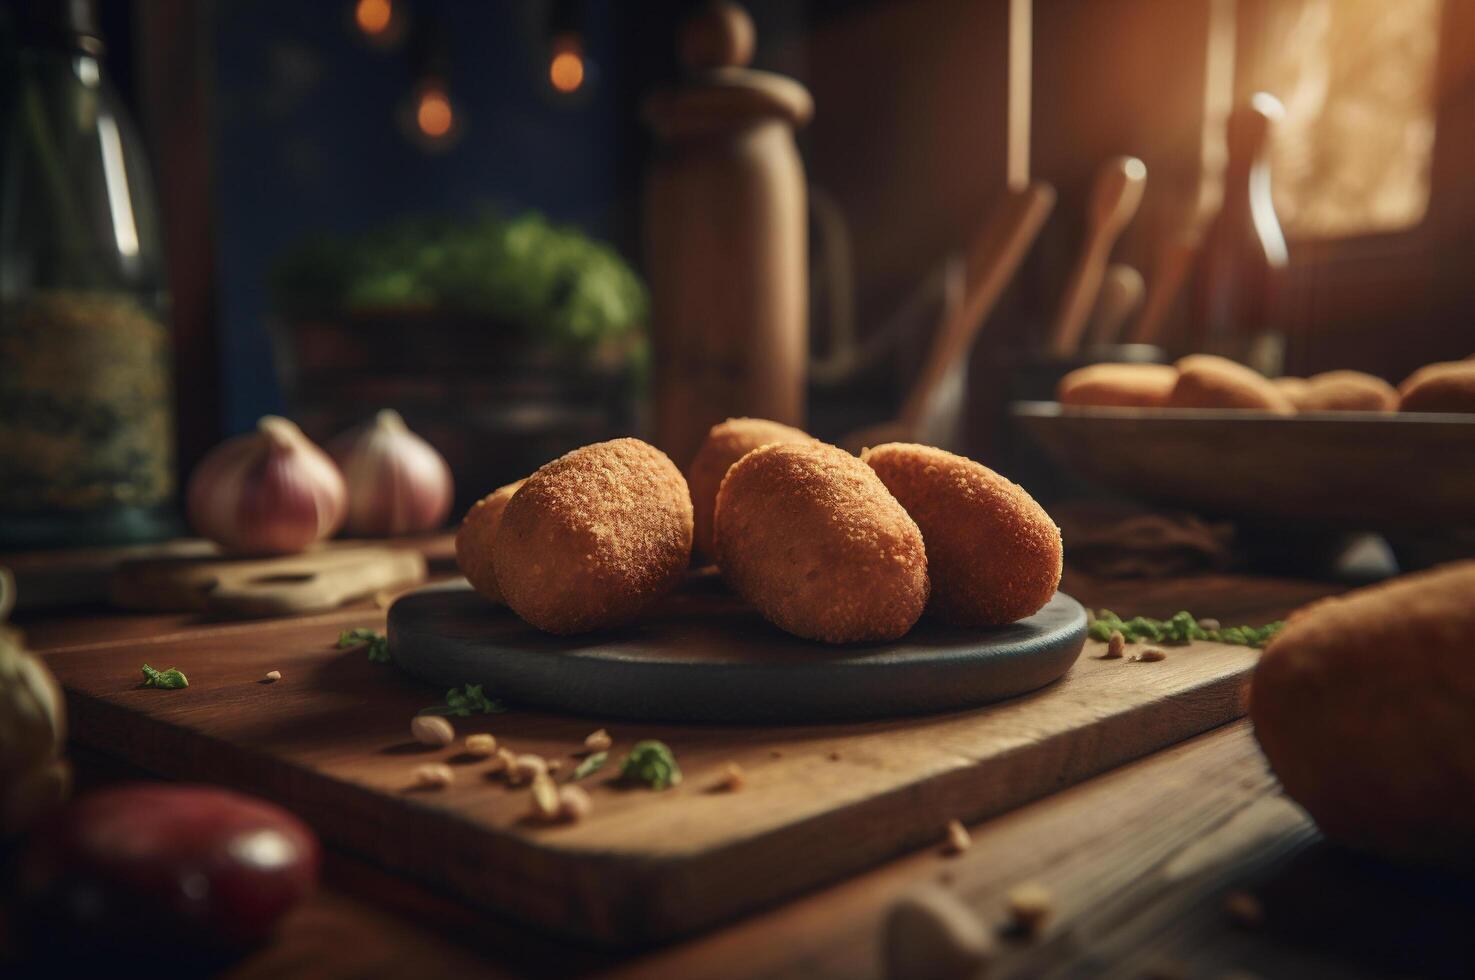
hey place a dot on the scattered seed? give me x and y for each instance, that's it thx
(273, 675)
(733, 778)
(1114, 646)
(1151, 655)
(432, 730)
(598, 741)
(545, 805)
(958, 839)
(574, 803)
(931, 933)
(1030, 905)
(1244, 910)
(434, 775)
(1208, 624)
(481, 744)
(526, 768)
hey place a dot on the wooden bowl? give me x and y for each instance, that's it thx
(1355, 470)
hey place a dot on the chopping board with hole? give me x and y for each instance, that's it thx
(248, 587)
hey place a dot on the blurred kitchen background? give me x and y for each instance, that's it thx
(475, 213)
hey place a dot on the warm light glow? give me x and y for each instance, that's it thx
(433, 115)
(566, 70)
(373, 16)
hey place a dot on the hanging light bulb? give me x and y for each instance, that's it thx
(380, 22)
(433, 113)
(566, 66)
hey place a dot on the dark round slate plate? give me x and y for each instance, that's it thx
(704, 656)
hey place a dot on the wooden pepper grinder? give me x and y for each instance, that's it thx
(1242, 265)
(726, 238)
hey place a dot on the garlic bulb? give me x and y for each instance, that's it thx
(33, 775)
(397, 482)
(267, 492)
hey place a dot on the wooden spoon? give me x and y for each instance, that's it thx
(1121, 293)
(1114, 200)
(996, 255)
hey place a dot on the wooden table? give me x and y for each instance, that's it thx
(1140, 861)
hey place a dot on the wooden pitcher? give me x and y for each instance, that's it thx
(726, 239)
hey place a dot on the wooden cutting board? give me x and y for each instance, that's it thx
(331, 741)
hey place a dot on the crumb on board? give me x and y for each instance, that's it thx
(834, 755)
(1151, 655)
(958, 839)
(599, 741)
(574, 803)
(272, 676)
(1114, 646)
(733, 778)
(1030, 904)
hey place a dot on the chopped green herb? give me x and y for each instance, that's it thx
(171, 679)
(1180, 628)
(465, 702)
(374, 642)
(590, 765)
(652, 763)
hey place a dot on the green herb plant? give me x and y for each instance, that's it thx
(463, 702)
(590, 765)
(170, 680)
(376, 644)
(1179, 629)
(651, 762)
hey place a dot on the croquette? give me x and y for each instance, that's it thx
(1209, 381)
(1347, 391)
(1448, 386)
(993, 555)
(594, 537)
(726, 443)
(1365, 707)
(1295, 389)
(810, 536)
(1124, 385)
(475, 539)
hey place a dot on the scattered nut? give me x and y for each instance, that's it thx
(598, 741)
(481, 744)
(546, 805)
(1114, 646)
(1244, 910)
(383, 599)
(432, 730)
(574, 803)
(1151, 655)
(958, 839)
(1030, 905)
(526, 768)
(733, 778)
(1208, 624)
(554, 764)
(931, 934)
(504, 761)
(434, 775)
(273, 675)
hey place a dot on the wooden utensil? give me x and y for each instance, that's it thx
(1001, 246)
(1170, 270)
(310, 582)
(1121, 293)
(1114, 199)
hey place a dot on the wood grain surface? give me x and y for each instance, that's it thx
(331, 741)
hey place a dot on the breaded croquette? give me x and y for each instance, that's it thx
(1124, 385)
(809, 535)
(1448, 386)
(1209, 381)
(475, 539)
(594, 537)
(1347, 391)
(993, 555)
(1365, 707)
(726, 443)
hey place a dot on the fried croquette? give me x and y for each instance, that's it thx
(993, 555)
(475, 539)
(726, 443)
(810, 536)
(1347, 391)
(594, 537)
(1365, 707)
(1124, 385)
(1209, 381)
(1448, 386)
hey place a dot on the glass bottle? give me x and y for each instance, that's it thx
(86, 416)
